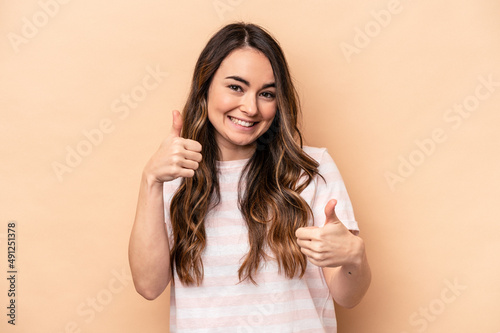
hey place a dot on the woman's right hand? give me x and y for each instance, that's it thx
(176, 157)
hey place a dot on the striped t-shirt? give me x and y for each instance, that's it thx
(276, 304)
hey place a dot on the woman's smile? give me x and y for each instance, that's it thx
(241, 122)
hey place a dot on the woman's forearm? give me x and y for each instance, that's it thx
(149, 253)
(349, 283)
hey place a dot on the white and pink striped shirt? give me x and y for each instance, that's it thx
(276, 304)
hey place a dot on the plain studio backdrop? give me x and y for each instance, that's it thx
(404, 94)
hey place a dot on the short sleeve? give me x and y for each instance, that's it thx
(330, 186)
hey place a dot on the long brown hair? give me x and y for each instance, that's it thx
(271, 182)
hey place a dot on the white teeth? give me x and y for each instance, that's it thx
(241, 122)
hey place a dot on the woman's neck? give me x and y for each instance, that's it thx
(234, 153)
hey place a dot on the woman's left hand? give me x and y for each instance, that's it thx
(332, 245)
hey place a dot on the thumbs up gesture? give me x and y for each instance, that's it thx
(332, 245)
(176, 156)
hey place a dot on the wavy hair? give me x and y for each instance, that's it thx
(271, 182)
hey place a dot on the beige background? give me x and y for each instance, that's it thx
(382, 83)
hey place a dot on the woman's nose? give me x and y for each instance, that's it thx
(249, 105)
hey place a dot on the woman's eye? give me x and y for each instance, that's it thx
(268, 94)
(234, 87)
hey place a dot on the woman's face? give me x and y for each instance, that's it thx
(241, 102)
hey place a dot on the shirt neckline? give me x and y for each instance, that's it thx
(232, 164)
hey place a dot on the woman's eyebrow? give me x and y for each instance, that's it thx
(269, 85)
(242, 80)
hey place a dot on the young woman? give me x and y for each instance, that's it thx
(255, 231)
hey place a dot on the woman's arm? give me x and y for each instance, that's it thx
(349, 282)
(341, 255)
(149, 251)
